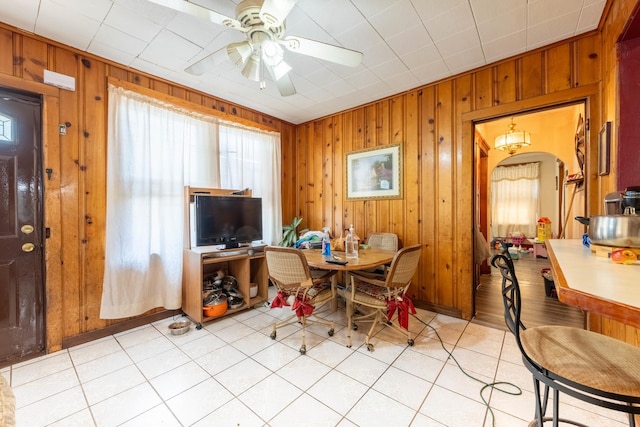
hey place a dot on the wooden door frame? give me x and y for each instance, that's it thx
(589, 94)
(53, 289)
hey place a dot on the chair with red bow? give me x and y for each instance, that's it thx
(384, 297)
(298, 288)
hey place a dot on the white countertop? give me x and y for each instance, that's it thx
(596, 275)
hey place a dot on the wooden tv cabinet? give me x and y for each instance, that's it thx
(246, 264)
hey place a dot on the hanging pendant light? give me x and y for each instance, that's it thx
(512, 140)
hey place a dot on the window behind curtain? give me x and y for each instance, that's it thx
(515, 201)
(154, 150)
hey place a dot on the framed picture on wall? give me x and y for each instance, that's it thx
(604, 147)
(374, 173)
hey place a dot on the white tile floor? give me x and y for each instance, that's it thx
(230, 373)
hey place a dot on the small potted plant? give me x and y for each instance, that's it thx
(290, 233)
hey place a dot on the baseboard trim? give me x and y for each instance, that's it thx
(118, 327)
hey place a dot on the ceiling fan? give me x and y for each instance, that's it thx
(263, 22)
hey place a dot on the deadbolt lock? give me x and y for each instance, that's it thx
(27, 229)
(28, 247)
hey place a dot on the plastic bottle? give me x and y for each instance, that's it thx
(351, 244)
(326, 242)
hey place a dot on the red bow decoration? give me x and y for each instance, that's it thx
(404, 305)
(302, 308)
(280, 300)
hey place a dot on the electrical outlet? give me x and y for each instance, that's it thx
(62, 129)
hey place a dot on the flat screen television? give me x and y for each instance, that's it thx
(227, 220)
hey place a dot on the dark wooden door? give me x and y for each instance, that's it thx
(22, 330)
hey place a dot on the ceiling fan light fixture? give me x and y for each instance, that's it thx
(252, 69)
(272, 53)
(239, 52)
(512, 140)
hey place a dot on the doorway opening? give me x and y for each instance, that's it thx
(560, 156)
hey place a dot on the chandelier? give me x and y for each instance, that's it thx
(512, 140)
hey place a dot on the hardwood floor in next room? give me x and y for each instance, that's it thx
(538, 308)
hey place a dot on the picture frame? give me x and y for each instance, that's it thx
(604, 147)
(374, 173)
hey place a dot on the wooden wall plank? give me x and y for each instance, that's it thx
(6, 45)
(559, 63)
(444, 221)
(483, 80)
(34, 57)
(530, 77)
(71, 162)
(506, 82)
(94, 126)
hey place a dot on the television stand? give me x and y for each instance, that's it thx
(201, 262)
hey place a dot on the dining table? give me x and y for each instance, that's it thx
(367, 259)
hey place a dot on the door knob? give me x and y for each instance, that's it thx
(28, 247)
(27, 229)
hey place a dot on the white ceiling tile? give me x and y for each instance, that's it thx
(372, 7)
(393, 19)
(465, 60)
(77, 31)
(339, 87)
(170, 50)
(94, 9)
(300, 24)
(359, 37)
(363, 79)
(423, 55)
(590, 16)
(511, 45)
(458, 42)
(409, 39)
(127, 21)
(123, 42)
(196, 30)
(377, 54)
(147, 10)
(402, 81)
(431, 72)
(107, 51)
(324, 13)
(445, 18)
(389, 69)
(488, 10)
(503, 24)
(545, 10)
(541, 34)
(22, 17)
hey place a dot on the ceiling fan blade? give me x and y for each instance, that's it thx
(278, 70)
(285, 86)
(207, 63)
(328, 52)
(274, 12)
(200, 12)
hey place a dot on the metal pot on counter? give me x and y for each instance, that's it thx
(621, 230)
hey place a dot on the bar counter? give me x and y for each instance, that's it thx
(595, 284)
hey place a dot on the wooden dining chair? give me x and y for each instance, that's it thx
(384, 296)
(289, 272)
(583, 364)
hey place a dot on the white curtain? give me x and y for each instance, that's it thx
(251, 159)
(515, 201)
(154, 150)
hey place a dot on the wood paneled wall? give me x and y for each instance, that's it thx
(76, 193)
(434, 125)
